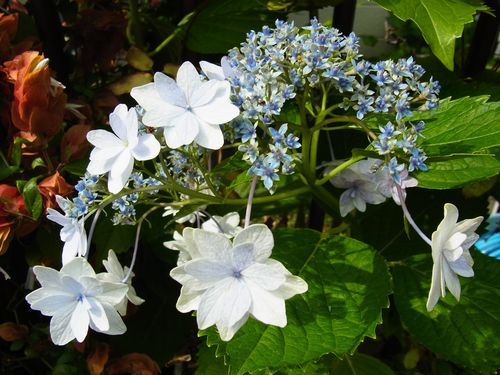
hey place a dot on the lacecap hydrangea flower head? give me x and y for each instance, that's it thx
(227, 281)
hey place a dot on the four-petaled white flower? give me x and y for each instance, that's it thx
(72, 234)
(116, 274)
(450, 253)
(227, 281)
(189, 109)
(76, 299)
(115, 153)
(360, 180)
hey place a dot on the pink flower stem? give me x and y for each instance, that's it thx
(409, 218)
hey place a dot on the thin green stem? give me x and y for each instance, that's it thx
(339, 169)
(180, 28)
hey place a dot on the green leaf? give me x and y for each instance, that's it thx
(77, 167)
(208, 363)
(107, 236)
(464, 125)
(223, 24)
(440, 21)
(32, 198)
(360, 364)
(456, 172)
(464, 332)
(348, 286)
(38, 162)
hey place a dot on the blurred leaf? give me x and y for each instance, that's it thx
(125, 84)
(464, 332)
(133, 363)
(348, 286)
(32, 198)
(10, 331)
(440, 21)
(208, 363)
(77, 167)
(458, 171)
(360, 364)
(38, 162)
(223, 24)
(139, 59)
(107, 236)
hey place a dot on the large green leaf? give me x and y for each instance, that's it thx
(348, 287)
(464, 125)
(465, 332)
(440, 21)
(455, 172)
(223, 24)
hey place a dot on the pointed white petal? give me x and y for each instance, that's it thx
(112, 265)
(182, 130)
(169, 91)
(213, 246)
(242, 256)
(292, 286)
(101, 166)
(78, 267)
(219, 109)
(188, 79)
(210, 136)
(462, 267)
(118, 121)
(212, 71)
(227, 332)
(451, 280)
(435, 289)
(116, 325)
(80, 321)
(208, 272)
(60, 327)
(57, 217)
(97, 315)
(266, 276)
(267, 307)
(103, 139)
(47, 276)
(147, 96)
(189, 300)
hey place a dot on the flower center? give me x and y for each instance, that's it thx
(237, 274)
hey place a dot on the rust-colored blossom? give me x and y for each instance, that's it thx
(98, 358)
(74, 143)
(39, 100)
(52, 186)
(11, 208)
(133, 363)
(10, 331)
(8, 29)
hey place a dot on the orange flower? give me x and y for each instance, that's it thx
(11, 204)
(39, 100)
(74, 143)
(52, 186)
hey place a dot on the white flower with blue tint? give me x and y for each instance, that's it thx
(229, 281)
(115, 152)
(77, 300)
(450, 253)
(188, 109)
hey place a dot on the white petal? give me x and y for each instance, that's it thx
(468, 225)
(210, 136)
(212, 71)
(60, 327)
(434, 291)
(452, 246)
(260, 236)
(78, 267)
(182, 130)
(242, 256)
(116, 325)
(208, 272)
(112, 265)
(47, 276)
(225, 304)
(147, 148)
(346, 204)
(213, 246)
(49, 301)
(106, 292)
(118, 121)
(147, 96)
(203, 94)
(266, 276)
(120, 172)
(267, 307)
(103, 139)
(133, 297)
(80, 321)
(58, 218)
(227, 332)
(451, 280)
(189, 300)
(462, 267)
(292, 286)
(101, 166)
(163, 116)
(449, 220)
(188, 79)
(219, 110)
(169, 91)
(97, 315)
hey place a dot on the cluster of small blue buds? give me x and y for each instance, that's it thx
(401, 141)
(87, 194)
(387, 87)
(185, 173)
(124, 209)
(280, 157)
(140, 182)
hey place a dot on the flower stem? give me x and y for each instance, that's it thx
(248, 212)
(339, 169)
(91, 231)
(136, 243)
(409, 218)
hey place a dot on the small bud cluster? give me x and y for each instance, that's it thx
(87, 194)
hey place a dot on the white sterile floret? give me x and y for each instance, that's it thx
(387, 186)
(228, 281)
(360, 180)
(184, 244)
(76, 299)
(116, 274)
(72, 234)
(115, 152)
(189, 109)
(227, 224)
(450, 253)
